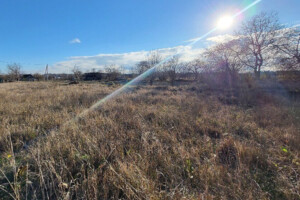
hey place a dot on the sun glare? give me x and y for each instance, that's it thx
(225, 22)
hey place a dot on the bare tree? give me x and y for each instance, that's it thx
(112, 71)
(77, 73)
(256, 37)
(171, 68)
(195, 67)
(122, 69)
(14, 71)
(142, 66)
(153, 59)
(287, 48)
(223, 59)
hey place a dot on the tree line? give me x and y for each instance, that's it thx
(259, 42)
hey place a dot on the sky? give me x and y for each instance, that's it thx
(92, 33)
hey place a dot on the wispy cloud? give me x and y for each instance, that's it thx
(221, 38)
(75, 41)
(192, 40)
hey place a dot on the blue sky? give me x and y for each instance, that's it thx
(39, 32)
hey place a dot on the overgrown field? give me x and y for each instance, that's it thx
(155, 142)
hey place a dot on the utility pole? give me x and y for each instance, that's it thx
(46, 73)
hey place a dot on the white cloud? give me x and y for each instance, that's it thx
(221, 38)
(75, 41)
(98, 62)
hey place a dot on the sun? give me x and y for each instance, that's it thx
(225, 22)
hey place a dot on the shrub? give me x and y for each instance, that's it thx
(228, 154)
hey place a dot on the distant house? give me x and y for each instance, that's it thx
(27, 77)
(60, 76)
(93, 76)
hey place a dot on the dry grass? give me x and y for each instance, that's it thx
(153, 143)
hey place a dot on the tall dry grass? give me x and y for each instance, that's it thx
(156, 142)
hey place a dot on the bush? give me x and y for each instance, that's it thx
(227, 154)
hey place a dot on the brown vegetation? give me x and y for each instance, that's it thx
(156, 142)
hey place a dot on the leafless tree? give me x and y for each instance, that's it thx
(112, 71)
(77, 73)
(223, 59)
(171, 68)
(14, 71)
(142, 66)
(195, 67)
(122, 69)
(256, 37)
(287, 48)
(153, 59)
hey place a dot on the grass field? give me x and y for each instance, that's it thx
(155, 142)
